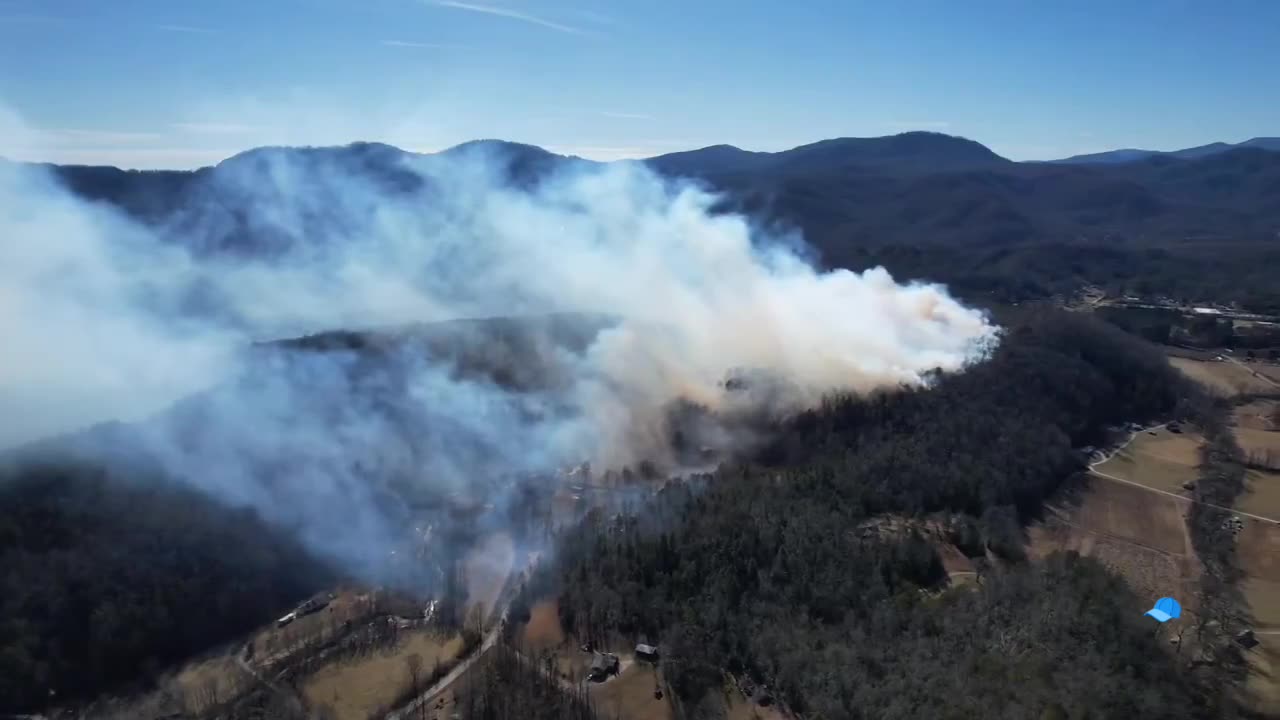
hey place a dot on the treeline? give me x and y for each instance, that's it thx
(1220, 607)
(772, 569)
(505, 685)
(106, 581)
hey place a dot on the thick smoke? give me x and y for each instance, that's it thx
(103, 318)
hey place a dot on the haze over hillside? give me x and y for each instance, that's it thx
(1132, 155)
(924, 205)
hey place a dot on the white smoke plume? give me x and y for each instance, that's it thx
(104, 318)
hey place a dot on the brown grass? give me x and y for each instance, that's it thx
(1263, 596)
(1262, 494)
(221, 677)
(629, 696)
(1130, 513)
(1270, 371)
(1225, 378)
(1258, 550)
(1263, 685)
(1254, 415)
(360, 687)
(272, 641)
(1253, 440)
(1163, 461)
(543, 630)
(1139, 534)
(953, 561)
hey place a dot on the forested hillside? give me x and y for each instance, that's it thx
(761, 569)
(924, 205)
(107, 579)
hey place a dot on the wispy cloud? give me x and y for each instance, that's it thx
(420, 45)
(185, 29)
(214, 128)
(624, 115)
(507, 13)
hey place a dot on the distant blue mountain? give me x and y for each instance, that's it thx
(1128, 155)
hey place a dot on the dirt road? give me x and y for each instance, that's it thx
(1093, 467)
(1252, 372)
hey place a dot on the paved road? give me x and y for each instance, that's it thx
(443, 683)
(501, 610)
(1093, 467)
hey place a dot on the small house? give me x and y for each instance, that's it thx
(1246, 639)
(603, 665)
(647, 652)
(762, 696)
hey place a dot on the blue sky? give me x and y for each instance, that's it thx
(169, 83)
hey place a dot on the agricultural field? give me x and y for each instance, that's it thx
(1225, 378)
(1263, 685)
(356, 688)
(1262, 494)
(629, 696)
(1253, 440)
(1139, 534)
(1158, 459)
(1269, 371)
(1260, 555)
(1255, 415)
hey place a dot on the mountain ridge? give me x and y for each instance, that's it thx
(1128, 155)
(924, 205)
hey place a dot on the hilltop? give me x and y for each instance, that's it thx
(1195, 225)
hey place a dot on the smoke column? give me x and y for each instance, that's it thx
(105, 318)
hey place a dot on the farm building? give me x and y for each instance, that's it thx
(647, 652)
(603, 665)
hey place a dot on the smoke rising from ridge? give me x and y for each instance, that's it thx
(105, 318)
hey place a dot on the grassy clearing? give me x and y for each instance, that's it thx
(209, 682)
(1225, 378)
(1137, 533)
(629, 696)
(1262, 495)
(272, 641)
(1272, 372)
(1263, 597)
(1150, 573)
(1163, 461)
(1254, 415)
(1263, 685)
(1258, 551)
(1254, 440)
(357, 688)
(543, 631)
(1130, 513)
